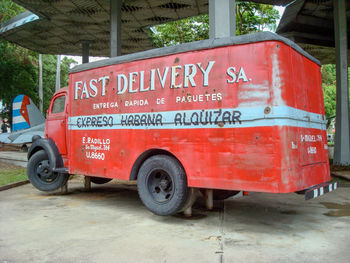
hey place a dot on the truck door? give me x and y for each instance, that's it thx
(57, 121)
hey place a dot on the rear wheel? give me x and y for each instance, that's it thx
(40, 175)
(162, 185)
(100, 180)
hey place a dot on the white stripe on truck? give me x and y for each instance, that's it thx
(197, 119)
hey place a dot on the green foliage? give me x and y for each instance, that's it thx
(19, 69)
(66, 64)
(181, 31)
(328, 74)
(250, 18)
(18, 75)
(12, 175)
(9, 9)
(49, 79)
(329, 89)
(329, 99)
(49, 76)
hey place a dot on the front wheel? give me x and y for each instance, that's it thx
(40, 175)
(162, 185)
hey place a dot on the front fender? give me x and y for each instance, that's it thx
(51, 150)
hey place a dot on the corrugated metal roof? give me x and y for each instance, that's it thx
(272, 2)
(310, 23)
(326, 55)
(64, 24)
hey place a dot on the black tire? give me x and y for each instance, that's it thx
(221, 194)
(40, 175)
(162, 185)
(100, 180)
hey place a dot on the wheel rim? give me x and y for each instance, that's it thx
(44, 173)
(160, 186)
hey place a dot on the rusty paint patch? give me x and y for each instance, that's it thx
(267, 110)
(221, 124)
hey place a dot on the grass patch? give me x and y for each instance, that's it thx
(12, 175)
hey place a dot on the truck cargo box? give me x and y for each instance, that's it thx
(241, 113)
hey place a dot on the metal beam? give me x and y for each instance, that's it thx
(222, 18)
(308, 36)
(86, 51)
(40, 84)
(58, 73)
(342, 143)
(314, 21)
(116, 26)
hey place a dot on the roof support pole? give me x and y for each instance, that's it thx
(342, 144)
(86, 51)
(58, 73)
(116, 27)
(222, 18)
(40, 83)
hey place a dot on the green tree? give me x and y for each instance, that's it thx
(329, 88)
(49, 76)
(66, 64)
(253, 17)
(19, 69)
(181, 31)
(250, 17)
(328, 74)
(329, 95)
(17, 75)
(9, 9)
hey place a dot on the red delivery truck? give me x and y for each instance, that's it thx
(232, 114)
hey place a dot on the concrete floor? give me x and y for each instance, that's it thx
(14, 157)
(110, 224)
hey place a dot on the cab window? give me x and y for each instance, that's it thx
(58, 104)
